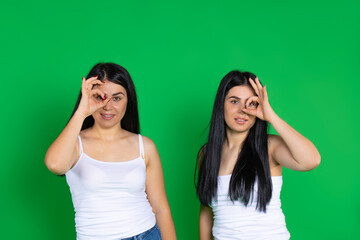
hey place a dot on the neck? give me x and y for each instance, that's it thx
(235, 139)
(108, 133)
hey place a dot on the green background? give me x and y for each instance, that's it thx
(306, 52)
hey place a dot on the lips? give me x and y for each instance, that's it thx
(241, 120)
(107, 116)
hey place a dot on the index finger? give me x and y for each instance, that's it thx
(254, 86)
(258, 84)
(90, 82)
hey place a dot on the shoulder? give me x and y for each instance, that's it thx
(273, 141)
(201, 154)
(132, 138)
(148, 143)
(150, 150)
(82, 138)
(85, 133)
(202, 150)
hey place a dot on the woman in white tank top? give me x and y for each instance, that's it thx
(114, 173)
(240, 167)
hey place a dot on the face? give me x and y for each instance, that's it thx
(235, 100)
(111, 114)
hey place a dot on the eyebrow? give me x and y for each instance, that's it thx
(234, 97)
(237, 98)
(114, 94)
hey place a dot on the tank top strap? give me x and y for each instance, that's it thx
(80, 145)
(141, 146)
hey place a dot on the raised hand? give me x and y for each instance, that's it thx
(91, 99)
(263, 110)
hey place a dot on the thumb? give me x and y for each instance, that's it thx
(103, 102)
(249, 111)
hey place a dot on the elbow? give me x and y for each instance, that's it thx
(54, 166)
(317, 160)
(161, 212)
(314, 163)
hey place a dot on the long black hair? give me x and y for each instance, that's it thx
(116, 74)
(253, 161)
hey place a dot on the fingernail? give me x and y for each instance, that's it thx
(82, 78)
(96, 76)
(102, 81)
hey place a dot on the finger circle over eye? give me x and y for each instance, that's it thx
(253, 99)
(94, 81)
(97, 92)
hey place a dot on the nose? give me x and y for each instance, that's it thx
(108, 105)
(241, 107)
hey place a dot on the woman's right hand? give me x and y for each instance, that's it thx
(91, 99)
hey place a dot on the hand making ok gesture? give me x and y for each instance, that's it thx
(92, 99)
(263, 110)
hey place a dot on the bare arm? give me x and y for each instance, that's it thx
(290, 149)
(63, 152)
(206, 216)
(155, 189)
(205, 223)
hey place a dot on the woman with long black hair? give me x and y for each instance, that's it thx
(114, 173)
(240, 167)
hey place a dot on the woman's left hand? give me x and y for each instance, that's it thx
(263, 111)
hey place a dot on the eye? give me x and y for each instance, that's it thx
(98, 97)
(116, 99)
(233, 101)
(253, 105)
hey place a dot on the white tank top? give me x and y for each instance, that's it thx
(109, 197)
(232, 220)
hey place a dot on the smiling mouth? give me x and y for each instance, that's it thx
(107, 116)
(240, 120)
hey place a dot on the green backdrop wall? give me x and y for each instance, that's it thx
(306, 52)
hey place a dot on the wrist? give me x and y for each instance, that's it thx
(80, 116)
(273, 117)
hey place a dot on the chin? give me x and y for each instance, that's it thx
(106, 124)
(109, 125)
(240, 129)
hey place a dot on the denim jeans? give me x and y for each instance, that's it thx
(151, 234)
